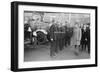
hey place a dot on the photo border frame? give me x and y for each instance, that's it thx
(14, 35)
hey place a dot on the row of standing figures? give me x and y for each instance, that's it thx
(78, 37)
(61, 36)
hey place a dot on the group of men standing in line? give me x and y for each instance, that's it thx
(59, 36)
(62, 36)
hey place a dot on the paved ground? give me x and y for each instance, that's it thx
(42, 53)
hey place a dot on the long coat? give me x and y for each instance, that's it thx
(76, 38)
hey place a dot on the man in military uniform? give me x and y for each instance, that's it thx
(61, 36)
(53, 37)
(57, 38)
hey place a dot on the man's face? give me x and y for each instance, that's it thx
(87, 25)
(84, 26)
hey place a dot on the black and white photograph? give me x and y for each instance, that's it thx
(56, 36)
(53, 36)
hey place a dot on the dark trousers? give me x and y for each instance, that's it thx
(54, 47)
(83, 44)
(88, 45)
(61, 44)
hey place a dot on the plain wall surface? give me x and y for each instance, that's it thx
(5, 38)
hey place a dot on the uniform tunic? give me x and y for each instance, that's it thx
(57, 35)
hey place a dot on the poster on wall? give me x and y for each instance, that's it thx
(52, 36)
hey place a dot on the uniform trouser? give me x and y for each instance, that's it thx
(67, 41)
(88, 45)
(61, 44)
(83, 44)
(54, 47)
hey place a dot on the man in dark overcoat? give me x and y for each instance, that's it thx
(53, 37)
(88, 37)
(85, 41)
(57, 35)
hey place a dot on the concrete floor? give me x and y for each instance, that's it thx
(42, 53)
